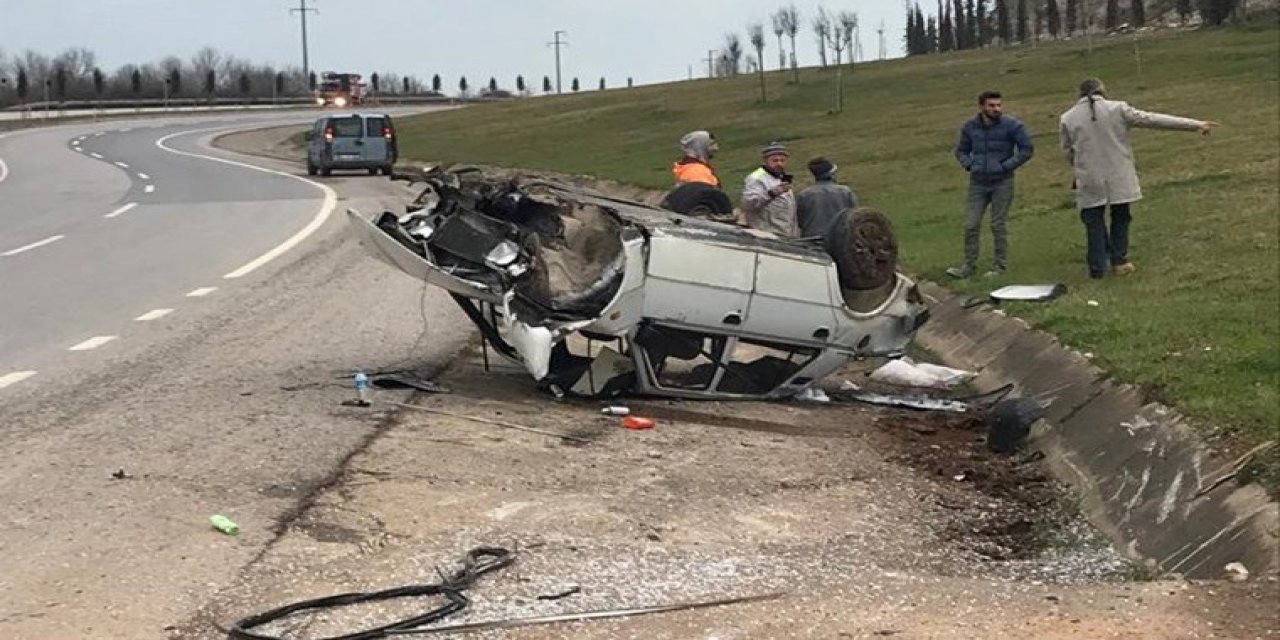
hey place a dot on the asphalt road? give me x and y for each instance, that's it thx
(182, 319)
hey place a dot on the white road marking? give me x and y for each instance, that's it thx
(326, 208)
(78, 149)
(33, 245)
(144, 176)
(149, 188)
(100, 133)
(125, 130)
(201, 292)
(14, 378)
(121, 210)
(96, 155)
(4, 170)
(92, 343)
(121, 165)
(154, 314)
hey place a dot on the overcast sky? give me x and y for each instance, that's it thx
(650, 40)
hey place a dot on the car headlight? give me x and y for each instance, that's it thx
(340, 102)
(320, 101)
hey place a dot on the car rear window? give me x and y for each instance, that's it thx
(346, 127)
(373, 126)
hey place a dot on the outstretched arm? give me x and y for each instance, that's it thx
(1152, 120)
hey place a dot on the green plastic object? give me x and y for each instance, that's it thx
(225, 525)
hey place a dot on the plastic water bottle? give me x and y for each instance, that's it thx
(362, 387)
(616, 411)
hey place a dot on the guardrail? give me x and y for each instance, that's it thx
(190, 104)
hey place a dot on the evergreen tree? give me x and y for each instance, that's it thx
(959, 29)
(931, 36)
(1073, 20)
(1054, 19)
(463, 86)
(1215, 12)
(1113, 14)
(23, 85)
(135, 82)
(493, 84)
(1004, 25)
(946, 39)
(1139, 13)
(1022, 20)
(576, 85)
(1185, 9)
(971, 24)
(520, 84)
(546, 84)
(602, 84)
(436, 83)
(984, 30)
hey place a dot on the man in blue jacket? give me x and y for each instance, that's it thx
(992, 146)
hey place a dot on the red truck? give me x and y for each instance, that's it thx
(340, 89)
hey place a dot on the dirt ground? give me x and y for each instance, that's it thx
(870, 522)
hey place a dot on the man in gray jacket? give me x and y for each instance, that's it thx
(820, 206)
(1095, 137)
(767, 199)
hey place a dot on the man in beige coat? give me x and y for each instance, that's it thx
(1095, 137)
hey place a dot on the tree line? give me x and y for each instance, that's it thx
(972, 24)
(74, 74)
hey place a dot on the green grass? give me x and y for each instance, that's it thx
(1197, 326)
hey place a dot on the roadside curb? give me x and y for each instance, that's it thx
(1145, 478)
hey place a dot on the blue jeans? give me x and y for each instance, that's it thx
(999, 195)
(1106, 248)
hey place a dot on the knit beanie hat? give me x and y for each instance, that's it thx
(775, 149)
(822, 168)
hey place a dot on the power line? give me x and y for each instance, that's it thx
(557, 44)
(302, 12)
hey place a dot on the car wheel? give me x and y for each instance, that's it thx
(698, 199)
(864, 248)
(386, 171)
(373, 171)
(326, 171)
(312, 169)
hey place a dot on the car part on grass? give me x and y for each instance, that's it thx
(587, 615)
(1009, 423)
(496, 423)
(575, 589)
(920, 402)
(476, 563)
(693, 308)
(1029, 292)
(699, 200)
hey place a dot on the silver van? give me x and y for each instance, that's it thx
(351, 141)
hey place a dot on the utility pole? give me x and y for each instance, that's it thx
(711, 60)
(880, 31)
(302, 11)
(557, 43)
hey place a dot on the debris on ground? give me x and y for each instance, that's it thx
(1009, 423)
(905, 372)
(561, 594)
(1236, 572)
(637, 423)
(1029, 292)
(406, 381)
(224, 524)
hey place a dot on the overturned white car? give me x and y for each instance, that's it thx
(598, 296)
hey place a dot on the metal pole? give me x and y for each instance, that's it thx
(557, 43)
(302, 11)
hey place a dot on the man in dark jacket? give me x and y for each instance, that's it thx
(820, 205)
(992, 146)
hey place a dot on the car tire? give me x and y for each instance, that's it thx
(312, 169)
(386, 171)
(699, 200)
(373, 171)
(326, 171)
(864, 248)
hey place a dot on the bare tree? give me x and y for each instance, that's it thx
(755, 33)
(822, 32)
(779, 28)
(733, 51)
(848, 26)
(791, 25)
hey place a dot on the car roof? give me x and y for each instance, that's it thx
(362, 114)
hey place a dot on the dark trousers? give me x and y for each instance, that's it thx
(1106, 248)
(998, 196)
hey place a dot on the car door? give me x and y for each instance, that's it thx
(345, 136)
(794, 299)
(377, 136)
(697, 284)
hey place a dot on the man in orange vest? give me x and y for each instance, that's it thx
(699, 147)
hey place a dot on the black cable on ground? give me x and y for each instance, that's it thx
(476, 563)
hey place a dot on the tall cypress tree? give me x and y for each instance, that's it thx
(1003, 28)
(1113, 14)
(958, 28)
(1139, 13)
(931, 35)
(1022, 20)
(1054, 19)
(945, 40)
(1073, 11)
(984, 31)
(971, 24)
